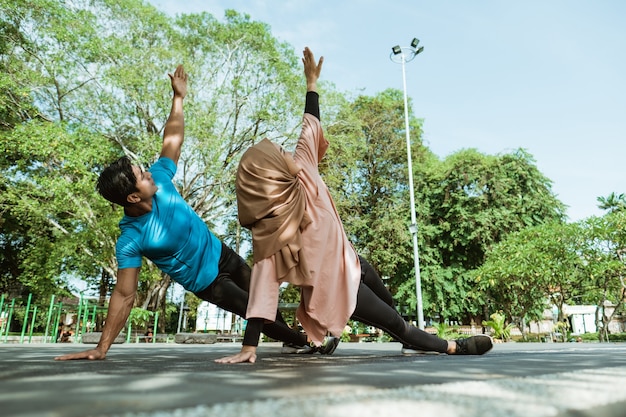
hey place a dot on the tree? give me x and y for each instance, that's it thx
(465, 204)
(86, 83)
(558, 264)
(246, 85)
(531, 269)
(366, 170)
(469, 203)
(605, 239)
(48, 171)
(612, 202)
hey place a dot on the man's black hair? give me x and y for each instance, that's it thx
(117, 181)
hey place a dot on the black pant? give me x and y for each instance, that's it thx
(375, 307)
(230, 289)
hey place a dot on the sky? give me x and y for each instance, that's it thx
(548, 76)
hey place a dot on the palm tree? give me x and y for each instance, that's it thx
(612, 202)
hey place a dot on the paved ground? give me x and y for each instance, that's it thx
(360, 379)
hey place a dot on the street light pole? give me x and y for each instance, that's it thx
(402, 55)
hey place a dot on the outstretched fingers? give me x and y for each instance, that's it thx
(238, 358)
(179, 73)
(311, 68)
(179, 81)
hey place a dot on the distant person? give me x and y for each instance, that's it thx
(159, 224)
(298, 237)
(149, 335)
(59, 332)
(63, 334)
(66, 334)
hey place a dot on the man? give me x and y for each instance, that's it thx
(298, 237)
(161, 226)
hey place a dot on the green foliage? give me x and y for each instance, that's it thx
(556, 263)
(290, 294)
(168, 321)
(500, 330)
(531, 338)
(245, 86)
(468, 204)
(590, 337)
(521, 272)
(444, 330)
(192, 302)
(86, 82)
(613, 202)
(619, 337)
(366, 170)
(140, 317)
(562, 328)
(345, 336)
(49, 187)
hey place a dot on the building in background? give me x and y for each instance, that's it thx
(210, 319)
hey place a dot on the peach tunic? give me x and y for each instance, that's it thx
(328, 295)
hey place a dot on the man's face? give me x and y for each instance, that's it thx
(145, 184)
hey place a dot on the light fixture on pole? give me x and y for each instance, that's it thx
(402, 55)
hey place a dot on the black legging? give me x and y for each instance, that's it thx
(230, 290)
(375, 307)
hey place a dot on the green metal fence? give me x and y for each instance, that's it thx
(84, 316)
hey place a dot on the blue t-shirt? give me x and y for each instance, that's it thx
(172, 236)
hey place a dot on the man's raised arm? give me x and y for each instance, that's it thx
(174, 131)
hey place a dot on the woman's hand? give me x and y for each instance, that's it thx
(312, 70)
(247, 354)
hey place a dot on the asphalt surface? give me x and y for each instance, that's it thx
(360, 379)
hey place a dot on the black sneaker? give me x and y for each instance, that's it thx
(329, 345)
(475, 345)
(290, 348)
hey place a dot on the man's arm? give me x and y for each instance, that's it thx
(173, 133)
(120, 305)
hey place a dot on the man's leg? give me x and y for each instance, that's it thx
(229, 291)
(224, 293)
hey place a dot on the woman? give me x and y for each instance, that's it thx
(298, 237)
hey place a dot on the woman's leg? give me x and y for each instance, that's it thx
(375, 307)
(374, 311)
(370, 277)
